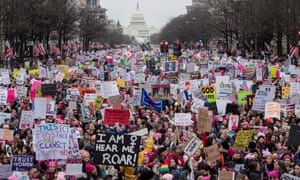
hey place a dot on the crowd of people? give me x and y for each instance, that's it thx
(269, 153)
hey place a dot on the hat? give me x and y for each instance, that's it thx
(89, 168)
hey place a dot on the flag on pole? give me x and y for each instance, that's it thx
(9, 52)
(148, 102)
(41, 49)
(294, 52)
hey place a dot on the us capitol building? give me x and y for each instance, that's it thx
(138, 28)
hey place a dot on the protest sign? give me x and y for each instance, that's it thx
(6, 134)
(224, 90)
(272, 110)
(48, 89)
(21, 91)
(115, 99)
(109, 88)
(5, 78)
(73, 144)
(89, 97)
(51, 141)
(226, 175)
(204, 123)
(233, 122)
(183, 119)
(3, 96)
(242, 139)
(287, 176)
(261, 98)
(98, 102)
(170, 66)
(209, 92)
(285, 92)
(297, 110)
(40, 108)
(20, 79)
(26, 120)
(121, 83)
(73, 167)
(22, 162)
(139, 78)
(4, 116)
(192, 146)
(197, 103)
(72, 94)
(242, 96)
(212, 153)
(10, 95)
(63, 68)
(141, 132)
(87, 113)
(113, 116)
(5, 171)
(50, 108)
(117, 149)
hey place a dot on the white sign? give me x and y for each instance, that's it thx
(5, 78)
(40, 108)
(3, 96)
(183, 119)
(109, 88)
(139, 78)
(26, 120)
(272, 110)
(89, 97)
(196, 104)
(50, 108)
(192, 146)
(21, 91)
(4, 116)
(141, 132)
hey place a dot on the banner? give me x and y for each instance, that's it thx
(113, 116)
(148, 102)
(51, 141)
(242, 139)
(48, 89)
(26, 120)
(117, 149)
(209, 92)
(272, 110)
(22, 162)
(183, 119)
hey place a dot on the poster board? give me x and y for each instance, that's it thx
(117, 149)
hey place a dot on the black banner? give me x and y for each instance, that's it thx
(117, 149)
(48, 89)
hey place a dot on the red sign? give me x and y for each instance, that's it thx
(113, 116)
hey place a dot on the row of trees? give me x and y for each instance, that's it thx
(245, 23)
(31, 21)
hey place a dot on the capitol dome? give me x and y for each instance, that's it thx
(137, 18)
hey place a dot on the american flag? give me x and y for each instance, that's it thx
(294, 52)
(9, 52)
(41, 49)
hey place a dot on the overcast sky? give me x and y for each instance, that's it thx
(156, 12)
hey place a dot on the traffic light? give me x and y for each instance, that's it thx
(164, 47)
(177, 48)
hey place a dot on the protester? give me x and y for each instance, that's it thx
(111, 114)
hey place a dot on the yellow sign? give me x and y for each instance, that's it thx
(63, 68)
(285, 91)
(242, 139)
(273, 71)
(98, 102)
(121, 83)
(209, 92)
(38, 91)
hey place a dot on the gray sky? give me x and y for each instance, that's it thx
(156, 12)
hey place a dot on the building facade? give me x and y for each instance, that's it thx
(138, 28)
